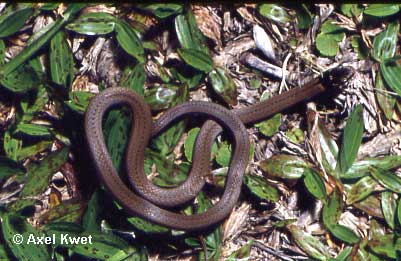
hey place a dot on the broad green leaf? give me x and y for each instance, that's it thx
(352, 139)
(329, 148)
(315, 184)
(371, 206)
(385, 245)
(385, 100)
(4, 255)
(96, 23)
(2, 52)
(304, 16)
(39, 174)
(386, 178)
(327, 44)
(274, 12)
(332, 210)
(134, 78)
(146, 226)
(49, 6)
(40, 41)
(284, 166)
(91, 219)
(361, 167)
(377, 229)
(32, 104)
(361, 189)
(188, 33)
(344, 234)
(381, 10)
(295, 135)
(21, 80)
(260, 188)
(311, 245)
(391, 71)
(162, 10)
(116, 131)
(343, 255)
(129, 40)
(15, 228)
(196, 59)
(360, 47)
(351, 10)
(9, 168)
(13, 18)
(190, 143)
(11, 145)
(384, 43)
(223, 85)
(33, 130)
(399, 211)
(61, 61)
(223, 155)
(389, 207)
(34, 149)
(65, 212)
(330, 27)
(270, 126)
(78, 101)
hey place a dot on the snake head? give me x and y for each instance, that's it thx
(338, 76)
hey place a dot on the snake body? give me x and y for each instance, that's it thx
(148, 201)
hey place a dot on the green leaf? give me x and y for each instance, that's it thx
(11, 145)
(389, 207)
(361, 189)
(329, 27)
(91, 219)
(129, 40)
(381, 10)
(385, 245)
(284, 166)
(274, 12)
(260, 188)
(31, 105)
(391, 72)
(384, 44)
(343, 255)
(15, 227)
(386, 178)
(65, 212)
(351, 10)
(146, 226)
(304, 16)
(188, 33)
(32, 150)
(327, 44)
(79, 101)
(134, 78)
(33, 130)
(332, 210)
(361, 167)
(399, 211)
(49, 6)
(385, 100)
(21, 80)
(223, 85)
(223, 155)
(61, 60)
(329, 148)
(38, 43)
(352, 139)
(2, 52)
(9, 168)
(315, 184)
(162, 10)
(371, 206)
(96, 23)
(196, 59)
(39, 174)
(270, 126)
(311, 245)
(13, 18)
(344, 234)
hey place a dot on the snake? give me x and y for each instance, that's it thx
(153, 203)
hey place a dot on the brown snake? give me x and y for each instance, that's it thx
(148, 199)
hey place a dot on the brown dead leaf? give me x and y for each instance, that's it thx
(208, 22)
